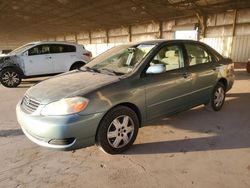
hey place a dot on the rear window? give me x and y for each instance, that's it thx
(62, 48)
(69, 48)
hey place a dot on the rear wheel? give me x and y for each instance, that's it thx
(217, 98)
(117, 130)
(10, 77)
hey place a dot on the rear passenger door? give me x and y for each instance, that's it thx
(63, 56)
(201, 68)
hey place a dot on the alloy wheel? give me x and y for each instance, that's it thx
(10, 78)
(120, 131)
(219, 96)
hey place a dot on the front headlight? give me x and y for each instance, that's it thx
(65, 106)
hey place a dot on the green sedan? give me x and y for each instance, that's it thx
(109, 99)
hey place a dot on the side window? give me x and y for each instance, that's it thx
(56, 48)
(69, 48)
(39, 50)
(170, 56)
(45, 49)
(62, 48)
(197, 55)
(34, 51)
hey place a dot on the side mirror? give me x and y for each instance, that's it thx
(156, 69)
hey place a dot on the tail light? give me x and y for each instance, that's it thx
(88, 54)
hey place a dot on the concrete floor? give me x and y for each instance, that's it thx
(196, 148)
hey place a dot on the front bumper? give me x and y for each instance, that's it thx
(43, 130)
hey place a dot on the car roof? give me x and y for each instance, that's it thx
(159, 41)
(172, 40)
(54, 42)
(155, 41)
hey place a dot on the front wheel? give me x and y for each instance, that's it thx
(10, 77)
(118, 130)
(217, 98)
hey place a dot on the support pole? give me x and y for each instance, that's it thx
(160, 30)
(76, 39)
(203, 24)
(90, 41)
(233, 32)
(107, 36)
(129, 34)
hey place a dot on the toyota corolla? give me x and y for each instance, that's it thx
(109, 99)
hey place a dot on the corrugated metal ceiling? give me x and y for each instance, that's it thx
(21, 19)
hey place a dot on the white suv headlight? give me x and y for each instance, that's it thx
(65, 106)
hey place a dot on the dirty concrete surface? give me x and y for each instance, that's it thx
(196, 148)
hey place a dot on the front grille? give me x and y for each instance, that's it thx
(29, 105)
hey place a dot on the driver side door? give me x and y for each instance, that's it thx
(167, 92)
(38, 61)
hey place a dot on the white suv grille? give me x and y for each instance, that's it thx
(29, 105)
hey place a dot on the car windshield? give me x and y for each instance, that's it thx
(120, 60)
(21, 49)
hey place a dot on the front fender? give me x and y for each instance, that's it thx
(125, 91)
(11, 63)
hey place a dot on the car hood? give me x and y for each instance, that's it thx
(75, 83)
(4, 56)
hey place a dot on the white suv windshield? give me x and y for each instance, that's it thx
(121, 59)
(21, 49)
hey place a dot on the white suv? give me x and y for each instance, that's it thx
(41, 58)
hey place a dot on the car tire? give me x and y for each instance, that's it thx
(117, 130)
(77, 65)
(10, 77)
(217, 98)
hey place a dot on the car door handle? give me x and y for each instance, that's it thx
(49, 57)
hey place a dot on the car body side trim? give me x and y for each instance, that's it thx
(155, 104)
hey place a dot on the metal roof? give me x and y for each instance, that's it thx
(29, 19)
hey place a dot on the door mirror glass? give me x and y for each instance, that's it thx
(156, 69)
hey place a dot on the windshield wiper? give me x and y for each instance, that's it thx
(112, 71)
(89, 69)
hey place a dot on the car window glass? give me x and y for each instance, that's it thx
(61, 48)
(56, 48)
(68, 48)
(39, 50)
(170, 56)
(121, 59)
(34, 51)
(22, 48)
(45, 49)
(197, 55)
